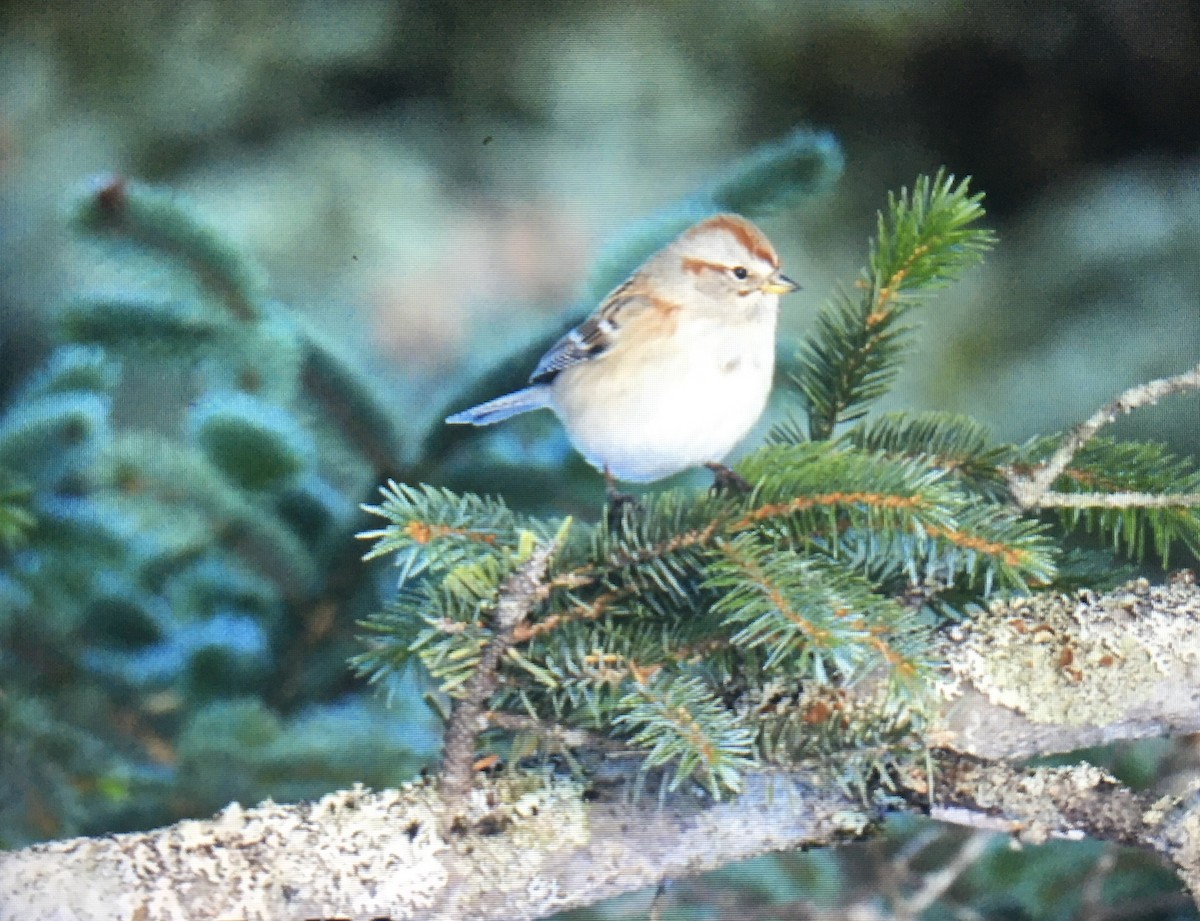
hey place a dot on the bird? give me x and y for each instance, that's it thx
(675, 365)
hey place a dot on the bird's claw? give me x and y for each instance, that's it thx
(727, 480)
(619, 504)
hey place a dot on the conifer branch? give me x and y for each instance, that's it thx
(1029, 490)
(352, 402)
(566, 736)
(362, 854)
(157, 221)
(707, 631)
(923, 241)
(16, 519)
(524, 588)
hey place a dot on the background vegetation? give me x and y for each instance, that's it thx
(429, 185)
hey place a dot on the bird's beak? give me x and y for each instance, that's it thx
(780, 284)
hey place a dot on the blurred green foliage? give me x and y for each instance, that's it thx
(180, 581)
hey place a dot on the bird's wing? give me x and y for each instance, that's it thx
(591, 338)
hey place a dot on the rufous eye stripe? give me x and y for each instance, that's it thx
(696, 266)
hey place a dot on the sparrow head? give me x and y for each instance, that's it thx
(726, 262)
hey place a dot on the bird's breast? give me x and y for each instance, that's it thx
(648, 408)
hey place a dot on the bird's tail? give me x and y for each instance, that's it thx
(501, 408)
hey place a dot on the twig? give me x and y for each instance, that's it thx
(895, 873)
(936, 884)
(1053, 499)
(1091, 899)
(566, 736)
(656, 905)
(523, 589)
(1030, 491)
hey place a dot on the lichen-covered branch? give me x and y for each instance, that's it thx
(1070, 803)
(528, 847)
(1178, 827)
(1034, 490)
(358, 855)
(1031, 676)
(1054, 673)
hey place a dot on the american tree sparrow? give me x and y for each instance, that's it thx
(675, 365)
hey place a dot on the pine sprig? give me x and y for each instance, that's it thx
(957, 444)
(659, 554)
(678, 719)
(924, 240)
(991, 545)
(717, 632)
(728, 591)
(582, 673)
(889, 515)
(434, 527)
(1107, 467)
(443, 623)
(132, 323)
(810, 617)
(158, 220)
(455, 553)
(819, 489)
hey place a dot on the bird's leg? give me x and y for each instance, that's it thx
(726, 480)
(618, 502)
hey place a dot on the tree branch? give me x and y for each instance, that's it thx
(1031, 676)
(1029, 491)
(523, 589)
(1054, 673)
(1054, 499)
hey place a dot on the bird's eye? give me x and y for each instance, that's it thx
(739, 272)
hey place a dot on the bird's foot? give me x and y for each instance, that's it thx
(619, 503)
(726, 480)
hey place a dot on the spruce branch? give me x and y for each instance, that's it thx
(389, 853)
(1134, 495)
(778, 175)
(16, 519)
(677, 719)
(1029, 490)
(519, 593)
(663, 626)
(957, 444)
(159, 221)
(714, 632)
(352, 401)
(151, 325)
(72, 368)
(812, 619)
(924, 240)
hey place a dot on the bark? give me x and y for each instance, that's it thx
(1036, 676)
